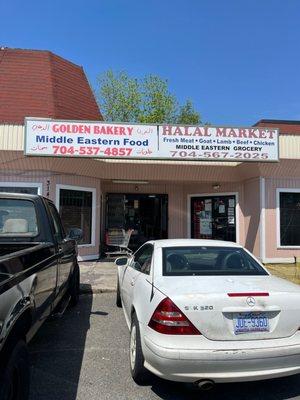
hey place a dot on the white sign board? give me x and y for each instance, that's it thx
(110, 140)
(89, 139)
(218, 143)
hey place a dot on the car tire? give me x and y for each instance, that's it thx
(15, 379)
(118, 296)
(74, 288)
(138, 372)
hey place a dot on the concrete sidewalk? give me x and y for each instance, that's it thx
(98, 276)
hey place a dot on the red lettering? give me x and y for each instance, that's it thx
(198, 131)
(167, 130)
(206, 132)
(177, 131)
(252, 134)
(243, 133)
(262, 134)
(271, 134)
(87, 128)
(55, 128)
(221, 132)
(231, 133)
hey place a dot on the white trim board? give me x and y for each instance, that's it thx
(262, 222)
(237, 210)
(278, 191)
(82, 189)
(37, 185)
(279, 260)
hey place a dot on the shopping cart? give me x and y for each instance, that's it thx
(118, 238)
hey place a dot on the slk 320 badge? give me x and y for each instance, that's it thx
(198, 308)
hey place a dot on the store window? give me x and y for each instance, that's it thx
(19, 189)
(76, 211)
(289, 205)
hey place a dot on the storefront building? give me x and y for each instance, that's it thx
(254, 203)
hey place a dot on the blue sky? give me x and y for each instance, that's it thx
(237, 60)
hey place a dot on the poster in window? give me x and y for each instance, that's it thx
(221, 208)
(205, 223)
(231, 211)
(231, 220)
(208, 205)
(231, 203)
(205, 226)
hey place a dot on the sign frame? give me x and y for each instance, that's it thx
(155, 158)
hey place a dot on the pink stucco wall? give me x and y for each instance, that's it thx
(248, 205)
(251, 214)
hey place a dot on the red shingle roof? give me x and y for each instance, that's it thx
(39, 83)
(285, 126)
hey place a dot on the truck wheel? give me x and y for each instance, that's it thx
(118, 296)
(138, 372)
(15, 380)
(74, 286)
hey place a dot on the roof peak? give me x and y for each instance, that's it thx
(48, 52)
(41, 83)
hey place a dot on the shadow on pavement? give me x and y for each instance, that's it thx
(275, 389)
(57, 353)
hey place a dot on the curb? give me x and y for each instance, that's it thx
(97, 290)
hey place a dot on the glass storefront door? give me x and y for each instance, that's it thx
(213, 217)
(146, 214)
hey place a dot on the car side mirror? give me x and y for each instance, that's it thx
(76, 234)
(121, 261)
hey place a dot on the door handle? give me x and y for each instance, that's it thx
(132, 282)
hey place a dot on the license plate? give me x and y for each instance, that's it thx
(250, 322)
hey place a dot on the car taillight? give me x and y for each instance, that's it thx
(170, 320)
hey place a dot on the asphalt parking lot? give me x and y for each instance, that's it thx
(84, 355)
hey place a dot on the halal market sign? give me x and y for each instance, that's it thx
(173, 142)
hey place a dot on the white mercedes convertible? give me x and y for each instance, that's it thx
(207, 311)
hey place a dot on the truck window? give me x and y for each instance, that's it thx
(18, 218)
(59, 232)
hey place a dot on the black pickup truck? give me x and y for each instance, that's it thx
(39, 276)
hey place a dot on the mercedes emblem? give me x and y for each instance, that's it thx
(250, 301)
